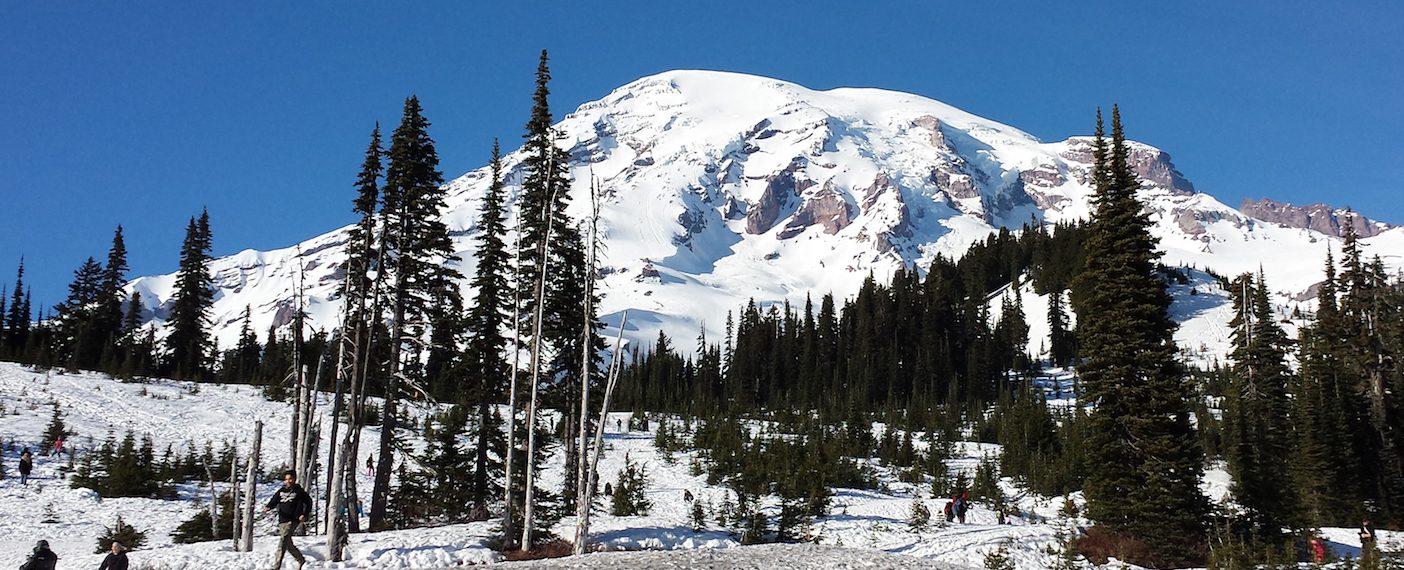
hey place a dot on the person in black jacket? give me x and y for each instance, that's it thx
(117, 560)
(42, 558)
(26, 465)
(293, 506)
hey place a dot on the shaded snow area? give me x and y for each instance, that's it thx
(769, 556)
(864, 528)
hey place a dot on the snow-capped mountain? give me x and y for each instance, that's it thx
(719, 187)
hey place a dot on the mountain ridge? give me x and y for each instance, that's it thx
(719, 187)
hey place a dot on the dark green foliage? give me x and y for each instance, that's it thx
(129, 468)
(1256, 429)
(1144, 461)
(55, 431)
(545, 198)
(197, 527)
(919, 515)
(1347, 433)
(17, 319)
(484, 363)
(417, 253)
(188, 345)
(629, 491)
(129, 536)
(915, 343)
(433, 491)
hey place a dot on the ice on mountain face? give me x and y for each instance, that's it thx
(735, 187)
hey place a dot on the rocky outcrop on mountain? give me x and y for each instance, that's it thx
(826, 208)
(715, 188)
(1316, 217)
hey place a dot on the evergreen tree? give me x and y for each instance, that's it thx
(418, 253)
(1144, 461)
(1060, 340)
(129, 536)
(188, 345)
(108, 319)
(240, 363)
(1256, 426)
(17, 319)
(488, 370)
(76, 325)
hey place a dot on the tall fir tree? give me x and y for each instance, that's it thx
(1256, 425)
(74, 330)
(17, 319)
(417, 253)
(109, 313)
(487, 367)
(188, 345)
(545, 198)
(1144, 459)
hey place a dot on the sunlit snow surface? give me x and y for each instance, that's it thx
(176, 412)
(682, 158)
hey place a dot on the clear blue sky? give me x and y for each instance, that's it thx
(141, 113)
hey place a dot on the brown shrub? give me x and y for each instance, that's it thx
(1098, 545)
(554, 549)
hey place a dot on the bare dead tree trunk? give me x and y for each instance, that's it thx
(582, 529)
(381, 490)
(251, 477)
(214, 502)
(237, 515)
(507, 523)
(583, 493)
(528, 507)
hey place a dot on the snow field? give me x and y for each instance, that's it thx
(859, 522)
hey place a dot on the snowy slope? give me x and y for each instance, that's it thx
(860, 521)
(719, 187)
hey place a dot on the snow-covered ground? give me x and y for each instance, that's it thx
(860, 521)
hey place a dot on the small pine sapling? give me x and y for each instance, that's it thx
(129, 536)
(919, 517)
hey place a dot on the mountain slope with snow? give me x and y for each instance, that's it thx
(718, 187)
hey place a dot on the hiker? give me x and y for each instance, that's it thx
(962, 504)
(687, 496)
(1318, 549)
(1367, 533)
(58, 446)
(293, 506)
(26, 465)
(950, 510)
(618, 425)
(42, 558)
(370, 466)
(117, 560)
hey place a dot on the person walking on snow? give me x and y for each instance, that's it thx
(370, 466)
(293, 506)
(26, 465)
(58, 446)
(42, 558)
(117, 560)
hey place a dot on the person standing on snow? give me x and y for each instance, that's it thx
(293, 506)
(962, 503)
(117, 560)
(26, 465)
(42, 558)
(370, 466)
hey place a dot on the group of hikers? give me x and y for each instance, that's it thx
(44, 559)
(956, 507)
(291, 501)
